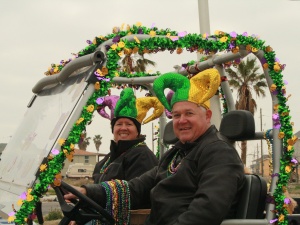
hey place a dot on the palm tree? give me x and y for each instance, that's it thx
(84, 141)
(140, 64)
(247, 78)
(97, 140)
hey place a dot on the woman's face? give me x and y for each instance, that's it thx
(125, 129)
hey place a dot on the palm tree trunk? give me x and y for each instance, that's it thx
(130, 64)
(98, 147)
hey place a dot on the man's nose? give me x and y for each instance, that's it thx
(182, 119)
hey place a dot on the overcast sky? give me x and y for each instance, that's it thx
(35, 34)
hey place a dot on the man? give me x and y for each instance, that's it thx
(198, 181)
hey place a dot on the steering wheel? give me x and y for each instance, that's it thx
(82, 210)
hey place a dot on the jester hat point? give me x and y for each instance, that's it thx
(199, 89)
(107, 102)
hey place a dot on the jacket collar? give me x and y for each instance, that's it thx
(116, 149)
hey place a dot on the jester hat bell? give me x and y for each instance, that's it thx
(199, 89)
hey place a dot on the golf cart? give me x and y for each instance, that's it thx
(65, 100)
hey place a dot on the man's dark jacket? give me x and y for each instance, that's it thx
(204, 190)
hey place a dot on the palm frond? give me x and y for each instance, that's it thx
(247, 79)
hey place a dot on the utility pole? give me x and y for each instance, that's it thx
(204, 22)
(261, 146)
(204, 16)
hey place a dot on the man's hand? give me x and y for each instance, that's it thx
(72, 196)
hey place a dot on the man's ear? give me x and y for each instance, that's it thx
(208, 114)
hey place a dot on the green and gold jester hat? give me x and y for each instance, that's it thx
(135, 109)
(199, 89)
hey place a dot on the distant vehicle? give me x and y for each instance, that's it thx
(80, 170)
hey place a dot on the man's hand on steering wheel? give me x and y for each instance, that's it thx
(70, 195)
(83, 208)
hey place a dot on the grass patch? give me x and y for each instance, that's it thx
(54, 215)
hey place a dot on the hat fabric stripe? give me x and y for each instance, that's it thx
(199, 89)
(177, 83)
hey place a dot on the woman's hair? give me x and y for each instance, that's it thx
(136, 123)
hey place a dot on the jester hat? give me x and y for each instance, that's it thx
(199, 89)
(135, 109)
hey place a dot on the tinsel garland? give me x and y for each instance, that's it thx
(173, 42)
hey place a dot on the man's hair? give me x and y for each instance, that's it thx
(202, 108)
(199, 106)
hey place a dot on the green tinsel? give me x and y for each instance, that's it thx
(191, 42)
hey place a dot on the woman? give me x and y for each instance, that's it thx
(129, 155)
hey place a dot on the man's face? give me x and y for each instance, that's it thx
(190, 121)
(125, 129)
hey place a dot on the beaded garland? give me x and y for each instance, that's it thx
(105, 166)
(117, 200)
(172, 168)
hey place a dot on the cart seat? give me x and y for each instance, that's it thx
(253, 199)
(238, 125)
